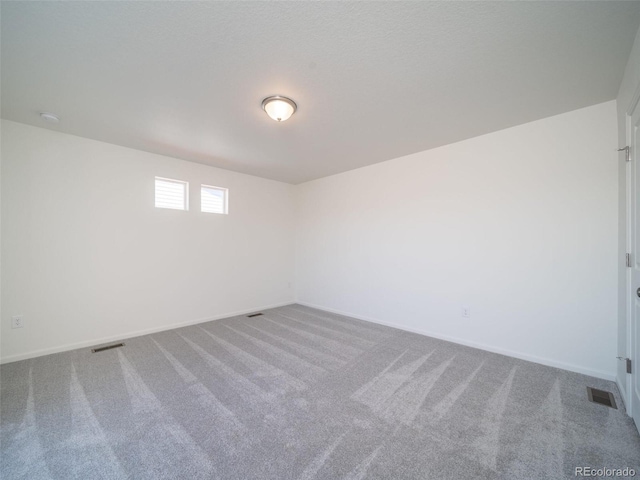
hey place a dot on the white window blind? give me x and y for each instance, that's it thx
(172, 194)
(213, 199)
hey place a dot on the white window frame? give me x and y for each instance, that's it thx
(225, 208)
(172, 180)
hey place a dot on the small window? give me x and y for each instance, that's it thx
(172, 194)
(213, 199)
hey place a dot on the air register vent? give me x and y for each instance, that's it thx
(602, 397)
(254, 315)
(108, 347)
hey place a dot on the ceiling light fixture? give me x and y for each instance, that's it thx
(49, 117)
(279, 108)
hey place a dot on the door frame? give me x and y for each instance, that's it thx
(632, 351)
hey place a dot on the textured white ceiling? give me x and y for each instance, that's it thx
(373, 81)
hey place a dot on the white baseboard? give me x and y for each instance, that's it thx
(137, 333)
(461, 341)
(623, 392)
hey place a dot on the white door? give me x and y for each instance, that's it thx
(633, 277)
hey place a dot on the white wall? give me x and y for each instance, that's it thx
(520, 225)
(628, 87)
(87, 258)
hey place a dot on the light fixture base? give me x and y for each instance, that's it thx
(49, 117)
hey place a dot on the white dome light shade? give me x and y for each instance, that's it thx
(279, 108)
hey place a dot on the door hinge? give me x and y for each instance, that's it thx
(628, 260)
(627, 151)
(628, 361)
(628, 365)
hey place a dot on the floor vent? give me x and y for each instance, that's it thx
(601, 397)
(108, 347)
(254, 315)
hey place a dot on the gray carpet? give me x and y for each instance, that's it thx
(302, 394)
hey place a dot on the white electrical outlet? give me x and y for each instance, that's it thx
(17, 321)
(466, 312)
